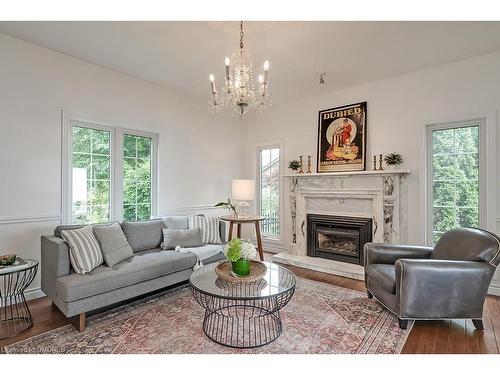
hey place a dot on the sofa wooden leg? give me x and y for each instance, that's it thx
(478, 323)
(369, 294)
(78, 322)
(403, 324)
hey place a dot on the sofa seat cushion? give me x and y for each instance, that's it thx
(383, 275)
(143, 266)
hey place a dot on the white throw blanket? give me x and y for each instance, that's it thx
(202, 253)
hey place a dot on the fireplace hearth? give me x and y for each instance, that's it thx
(338, 238)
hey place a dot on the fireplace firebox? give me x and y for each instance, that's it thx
(338, 237)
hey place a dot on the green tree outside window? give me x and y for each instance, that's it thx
(455, 179)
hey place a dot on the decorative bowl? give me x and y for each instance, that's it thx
(7, 260)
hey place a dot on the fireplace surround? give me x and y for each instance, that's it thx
(378, 195)
(338, 238)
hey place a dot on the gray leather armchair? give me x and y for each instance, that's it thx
(449, 281)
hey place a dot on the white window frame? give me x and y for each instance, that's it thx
(487, 169)
(116, 164)
(269, 240)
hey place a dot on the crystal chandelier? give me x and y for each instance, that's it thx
(238, 93)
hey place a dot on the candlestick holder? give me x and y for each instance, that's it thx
(380, 160)
(374, 162)
(309, 164)
(301, 164)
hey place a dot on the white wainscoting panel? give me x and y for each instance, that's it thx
(22, 237)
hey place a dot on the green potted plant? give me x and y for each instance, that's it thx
(294, 165)
(392, 160)
(8, 260)
(239, 253)
(230, 206)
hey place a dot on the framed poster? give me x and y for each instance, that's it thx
(342, 139)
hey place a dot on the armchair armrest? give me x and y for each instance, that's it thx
(382, 253)
(432, 288)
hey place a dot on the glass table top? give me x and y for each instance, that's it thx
(19, 265)
(276, 281)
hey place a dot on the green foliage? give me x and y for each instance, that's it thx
(136, 177)
(293, 165)
(233, 249)
(269, 197)
(455, 177)
(227, 205)
(91, 151)
(393, 159)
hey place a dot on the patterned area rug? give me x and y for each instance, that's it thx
(320, 318)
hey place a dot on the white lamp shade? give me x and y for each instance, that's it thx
(243, 190)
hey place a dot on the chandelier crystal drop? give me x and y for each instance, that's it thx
(239, 94)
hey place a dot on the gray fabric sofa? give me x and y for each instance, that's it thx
(150, 269)
(449, 281)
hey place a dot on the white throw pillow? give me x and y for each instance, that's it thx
(84, 250)
(209, 228)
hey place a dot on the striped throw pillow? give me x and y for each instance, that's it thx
(84, 251)
(209, 228)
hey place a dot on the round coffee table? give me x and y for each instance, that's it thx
(246, 314)
(15, 315)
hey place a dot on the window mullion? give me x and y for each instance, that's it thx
(117, 183)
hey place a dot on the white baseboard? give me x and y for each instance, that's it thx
(494, 290)
(271, 247)
(34, 293)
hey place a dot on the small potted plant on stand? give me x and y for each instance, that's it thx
(228, 205)
(392, 160)
(294, 165)
(239, 253)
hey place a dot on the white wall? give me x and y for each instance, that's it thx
(398, 108)
(199, 153)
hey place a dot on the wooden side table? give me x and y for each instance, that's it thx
(243, 220)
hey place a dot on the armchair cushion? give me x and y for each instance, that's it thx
(380, 253)
(441, 288)
(382, 274)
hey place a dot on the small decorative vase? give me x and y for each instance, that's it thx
(241, 267)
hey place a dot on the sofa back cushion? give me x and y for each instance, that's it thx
(467, 244)
(143, 235)
(60, 228)
(114, 245)
(181, 237)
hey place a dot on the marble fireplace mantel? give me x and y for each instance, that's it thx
(379, 195)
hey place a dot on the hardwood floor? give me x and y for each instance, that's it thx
(440, 337)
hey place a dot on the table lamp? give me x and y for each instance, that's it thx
(243, 191)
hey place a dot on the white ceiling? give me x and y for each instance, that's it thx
(181, 55)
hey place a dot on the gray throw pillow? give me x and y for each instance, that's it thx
(181, 237)
(143, 235)
(114, 246)
(176, 222)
